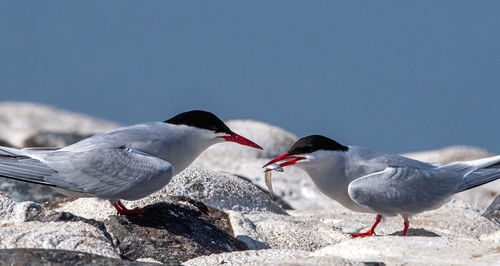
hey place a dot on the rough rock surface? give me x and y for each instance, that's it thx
(493, 211)
(272, 257)
(19, 121)
(27, 256)
(416, 251)
(29, 225)
(174, 231)
(78, 236)
(218, 190)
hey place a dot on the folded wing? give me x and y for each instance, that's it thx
(404, 190)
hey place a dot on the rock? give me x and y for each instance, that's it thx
(264, 230)
(29, 225)
(90, 208)
(314, 229)
(271, 257)
(19, 121)
(449, 154)
(77, 236)
(394, 250)
(5, 143)
(218, 190)
(248, 257)
(173, 231)
(13, 212)
(454, 219)
(28, 256)
(493, 211)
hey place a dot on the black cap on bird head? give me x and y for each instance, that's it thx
(200, 119)
(314, 143)
(209, 121)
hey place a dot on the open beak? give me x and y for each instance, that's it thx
(241, 140)
(292, 159)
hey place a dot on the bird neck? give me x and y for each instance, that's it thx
(184, 145)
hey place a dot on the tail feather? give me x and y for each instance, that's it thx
(485, 162)
(481, 177)
(25, 169)
(479, 172)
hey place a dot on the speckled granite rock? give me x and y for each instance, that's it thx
(271, 257)
(218, 190)
(394, 250)
(78, 236)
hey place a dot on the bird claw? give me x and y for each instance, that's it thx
(122, 210)
(363, 234)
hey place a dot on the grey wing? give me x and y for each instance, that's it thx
(404, 190)
(109, 173)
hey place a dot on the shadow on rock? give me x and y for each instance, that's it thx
(416, 232)
(493, 211)
(174, 231)
(26, 256)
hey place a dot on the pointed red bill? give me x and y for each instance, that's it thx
(241, 140)
(292, 159)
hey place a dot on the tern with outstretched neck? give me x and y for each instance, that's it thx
(128, 163)
(387, 185)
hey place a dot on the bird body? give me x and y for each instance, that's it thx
(388, 185)
(127, 163)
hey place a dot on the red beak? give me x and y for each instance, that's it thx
(292, 159)
(241, 140)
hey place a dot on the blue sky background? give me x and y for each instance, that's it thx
(395, 76)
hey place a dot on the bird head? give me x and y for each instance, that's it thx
(208, 121)
(308, 150)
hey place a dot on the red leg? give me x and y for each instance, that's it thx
(371, 231)
(407, 224)
(122, 210)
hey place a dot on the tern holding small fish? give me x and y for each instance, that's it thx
(387, 185)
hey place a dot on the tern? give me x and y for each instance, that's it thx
(387, 185)
(128, 163)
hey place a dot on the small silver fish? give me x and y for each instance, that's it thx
(268, 170)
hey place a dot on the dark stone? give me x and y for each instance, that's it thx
(5, 143)
(416, 232)
(373, 263)
(493, 211)
(23, 191)
(174, 231)
(25, 256)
